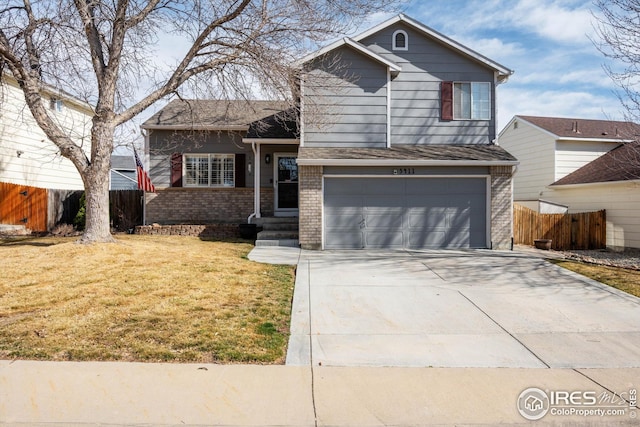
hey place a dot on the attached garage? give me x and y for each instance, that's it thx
(405, 197)
(405, 212)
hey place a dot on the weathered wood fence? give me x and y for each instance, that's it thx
(23, 205)
(39, 209)
(586, 230)
(125, 209)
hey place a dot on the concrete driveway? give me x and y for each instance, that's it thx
(457, 309)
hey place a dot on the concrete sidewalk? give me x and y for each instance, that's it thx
(128, 394)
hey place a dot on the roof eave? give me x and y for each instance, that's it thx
(555, 186)
(238, 128)
(573, 138)
(283, 141)
(404, 162)
(503, 71)
(346, 41)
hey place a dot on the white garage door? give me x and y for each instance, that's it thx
(409, 213)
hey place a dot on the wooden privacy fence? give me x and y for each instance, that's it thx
(125, 209)
(39, 209)
(23, 205)
(586, 230)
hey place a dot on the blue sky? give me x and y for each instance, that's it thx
(558, 70)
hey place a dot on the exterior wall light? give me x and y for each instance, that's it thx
(267, 158)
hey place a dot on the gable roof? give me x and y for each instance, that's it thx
(620, 164)
(207, 114)
(571, 128)
(503, 72)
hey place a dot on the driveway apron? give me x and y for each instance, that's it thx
(456, 309)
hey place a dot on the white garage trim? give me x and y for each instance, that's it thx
(486, 177)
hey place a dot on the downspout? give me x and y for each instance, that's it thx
(388, 107)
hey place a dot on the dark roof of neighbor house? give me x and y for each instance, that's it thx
(123, 162)
(585, 128)
(620, 164)
(200, 114)
(471, 152)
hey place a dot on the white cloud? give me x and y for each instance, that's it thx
(555, 103)
(556, 20)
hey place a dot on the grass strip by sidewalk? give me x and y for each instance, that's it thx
(145, 298)
(620, 278)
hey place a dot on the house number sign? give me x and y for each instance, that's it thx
(404, 171)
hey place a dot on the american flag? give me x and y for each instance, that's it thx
(144, 182)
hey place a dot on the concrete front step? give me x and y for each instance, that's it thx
(276, 220)
(280, 226)
(291, 243)
(277, 234)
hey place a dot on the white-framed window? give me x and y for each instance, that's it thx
(209, 170)
(56, 105)
(400, 40)
(472, 101)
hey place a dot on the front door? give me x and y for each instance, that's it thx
(286, 184)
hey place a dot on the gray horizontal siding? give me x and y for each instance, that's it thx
(163, 143)
(160, 170)
(416, 90)
(346, 107)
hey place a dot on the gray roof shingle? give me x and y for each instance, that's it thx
(213, 114)
(123, 162)
(475, 152)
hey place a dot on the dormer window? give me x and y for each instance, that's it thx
(400, 40)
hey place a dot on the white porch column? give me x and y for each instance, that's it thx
(256, 180)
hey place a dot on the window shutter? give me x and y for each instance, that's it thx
(446, 100)
(239, 170)
(176, 170)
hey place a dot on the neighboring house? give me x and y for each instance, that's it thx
(577, 165)
(610, 182)
(29, 158)
(123, 173)
(393, 148)
(550, 148)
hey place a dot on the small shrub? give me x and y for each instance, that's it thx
(80, 219)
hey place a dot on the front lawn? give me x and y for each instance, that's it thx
(145, 298)
(620, 278)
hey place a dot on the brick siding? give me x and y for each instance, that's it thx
(501, 212)
(310, 182)
(205, 205)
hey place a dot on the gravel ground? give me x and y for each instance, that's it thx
(630, 258)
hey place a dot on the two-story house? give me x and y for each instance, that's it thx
(35, 179)
(393, 148)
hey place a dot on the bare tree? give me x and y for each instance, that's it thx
(618, 30)
(104, 52)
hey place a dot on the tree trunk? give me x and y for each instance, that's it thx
(96, 186)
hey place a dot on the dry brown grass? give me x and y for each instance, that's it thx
(620, 278)
(145, 298)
